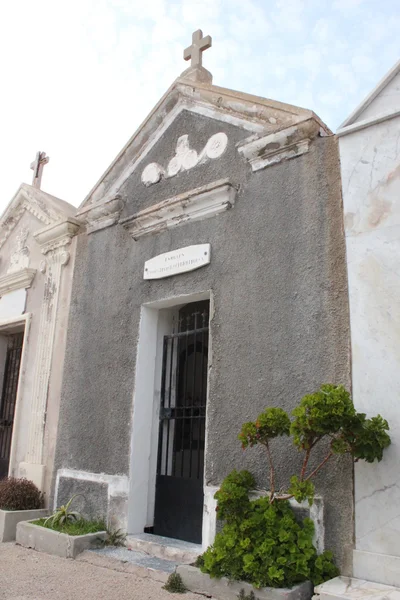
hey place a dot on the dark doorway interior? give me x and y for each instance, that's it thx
(13, 351)
(179, 482)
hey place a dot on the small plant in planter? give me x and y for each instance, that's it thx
(71, 522)
(19, 494)
(63, 515)
(20, 500)
(262, 543)
(65, 533)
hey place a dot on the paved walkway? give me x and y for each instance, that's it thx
(29, 575)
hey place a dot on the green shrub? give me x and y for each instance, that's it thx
(328, 413)
(20, 494)
(261, 541)
(175, 584)
(263, 544)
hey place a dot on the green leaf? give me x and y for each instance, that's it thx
(321, 413)
(301, 490)
(271, 423)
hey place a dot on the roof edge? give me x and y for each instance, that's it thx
(371, 96)
(186, 90)
(47, 208)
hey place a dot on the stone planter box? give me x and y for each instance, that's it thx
(54, 542)
(223, 589)
(9, 520)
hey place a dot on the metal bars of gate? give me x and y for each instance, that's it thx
(179, 420)
(9, 393)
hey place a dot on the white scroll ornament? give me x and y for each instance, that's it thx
(185, 158)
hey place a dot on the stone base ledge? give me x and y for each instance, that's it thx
(350, 588)
(53, 542)
(382, 568)
(9, 520)
(223, 589)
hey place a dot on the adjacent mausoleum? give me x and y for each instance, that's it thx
(36, 265)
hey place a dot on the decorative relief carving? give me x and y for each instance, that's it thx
(20, 257)
(185, 158)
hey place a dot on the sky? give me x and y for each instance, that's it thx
(79, 77)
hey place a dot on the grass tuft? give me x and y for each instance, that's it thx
(79, 527)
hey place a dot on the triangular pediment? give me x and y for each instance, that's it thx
(257, 116)
(384, 100)
(47, 209)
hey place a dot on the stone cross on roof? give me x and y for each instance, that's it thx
(195, 51)
(37, 168)
(196, 71)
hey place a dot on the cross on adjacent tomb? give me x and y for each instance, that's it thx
(37, 168)
(195, 51)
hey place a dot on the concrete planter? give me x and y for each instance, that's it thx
(9, 520)
(223, 589)
(54, 542)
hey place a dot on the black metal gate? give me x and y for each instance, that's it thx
(8, 398)
(179, 483)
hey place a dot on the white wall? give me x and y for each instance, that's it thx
(370, 163)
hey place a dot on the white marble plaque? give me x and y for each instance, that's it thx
(177, 261)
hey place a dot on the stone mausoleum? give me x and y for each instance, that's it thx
(209, 282)
(36, 265)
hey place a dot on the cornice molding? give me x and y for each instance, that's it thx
(16, 281)
(101, 215)
(281, 145)
(57, 235)
(197, 204)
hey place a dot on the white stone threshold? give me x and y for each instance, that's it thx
(164, 548)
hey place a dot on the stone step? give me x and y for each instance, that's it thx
(130, 561)
(350, 588)
(181, 552)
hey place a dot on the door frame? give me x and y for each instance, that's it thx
(13, 325)
(155, 322)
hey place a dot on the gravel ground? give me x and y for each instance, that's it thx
(29, 575)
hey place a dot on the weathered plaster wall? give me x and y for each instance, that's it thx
(280, 326)
(370, 162)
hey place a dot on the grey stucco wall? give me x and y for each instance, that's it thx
(280, 326)
(91, 497)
